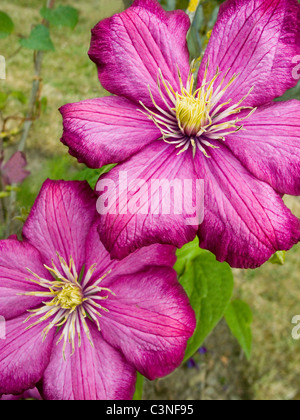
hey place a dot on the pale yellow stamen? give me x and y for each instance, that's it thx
(193, 4)
(197, 118)
(69, 298)
(72, 301)
(191, 114)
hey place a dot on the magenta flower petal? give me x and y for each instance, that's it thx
(23, 356)
(60, 221)
(270, 146)
(15, 257)
(258, 39)
(70, 303)
(154, 255)
(92, 373)
(124, 130)
(142, 259)
(149, 320)
(144, 219)
(129, 48)
(248, 218)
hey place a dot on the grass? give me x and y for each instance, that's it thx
(274, 295)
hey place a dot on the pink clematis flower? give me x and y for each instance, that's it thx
(78, 323)
(226, 130)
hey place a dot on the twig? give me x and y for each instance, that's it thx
(38, 60)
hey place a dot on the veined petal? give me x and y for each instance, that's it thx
(270, 146)
(60, 221)
(245, 220)
(151, 198)
(15, 258)
(92, 373)
(130, 48)
(106, 130)
(258, 39)
(153, 255)
(23, 355)
(149, 320)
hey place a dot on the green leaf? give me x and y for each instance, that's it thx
(23, 216)
(6, 25)
(92, 175)
(138, 395)
(209, 285)
(39, 39)
(174, 4)
(4, 194)
(278, 258)
(187, 253)
(239, 319)
(193, 37)
(127, 3)
(11, 188)
(293, 93)
(61, 16)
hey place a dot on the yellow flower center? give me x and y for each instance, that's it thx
(191, 113)
(197, 118)
(71, 301)
(69, 298)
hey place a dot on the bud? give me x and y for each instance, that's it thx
(278, 258)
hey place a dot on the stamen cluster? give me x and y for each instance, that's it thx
(195, 118)
(72, 301)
